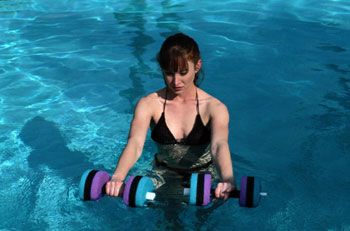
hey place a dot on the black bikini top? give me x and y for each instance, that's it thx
(199, 134)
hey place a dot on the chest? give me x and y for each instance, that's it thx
(181, 121)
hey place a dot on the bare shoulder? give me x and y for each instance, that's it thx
(148, 99)
(214, 106)
(150, 103)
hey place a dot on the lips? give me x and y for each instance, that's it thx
(177, 88)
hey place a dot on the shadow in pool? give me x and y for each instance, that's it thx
(49, 148)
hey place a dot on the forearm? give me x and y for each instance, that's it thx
(128, 158)
(222, 160)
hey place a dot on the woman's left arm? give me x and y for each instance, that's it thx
(220, 149)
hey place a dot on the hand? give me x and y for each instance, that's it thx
(223, 190)
(115, 187)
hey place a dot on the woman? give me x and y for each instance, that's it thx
(189, 126)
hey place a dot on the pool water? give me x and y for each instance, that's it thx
(72, 71)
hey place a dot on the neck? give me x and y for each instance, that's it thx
(187, 95)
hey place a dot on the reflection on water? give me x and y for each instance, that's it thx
(329, 47)
(134, 18)
(169, 22)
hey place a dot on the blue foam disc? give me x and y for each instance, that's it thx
(145, 185)
(257, 190)
(193, 189)
(82, 184)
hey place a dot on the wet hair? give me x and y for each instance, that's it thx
(176, 51)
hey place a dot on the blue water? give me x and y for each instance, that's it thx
(72, 71)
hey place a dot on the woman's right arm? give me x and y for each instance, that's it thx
(134, 146)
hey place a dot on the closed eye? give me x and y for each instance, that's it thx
(169, 73)
(183, 73)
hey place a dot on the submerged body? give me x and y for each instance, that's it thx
(185, 156)
(189, 126)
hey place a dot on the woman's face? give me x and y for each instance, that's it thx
(182, 80)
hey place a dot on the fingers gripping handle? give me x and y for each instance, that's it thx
(233, 194)
(200, 191)
(132, 188)
(137, 189)
(120, 193)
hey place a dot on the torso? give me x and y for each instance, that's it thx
(183, 140)
(181, 123)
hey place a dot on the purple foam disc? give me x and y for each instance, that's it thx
(207, 189)
(243, 190)
(100, 179)
(127, 189)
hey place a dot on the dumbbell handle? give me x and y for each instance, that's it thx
(233, 194)
(236, 193)
(121, 190)
(149, 195)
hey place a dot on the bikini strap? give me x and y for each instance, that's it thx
(166, 96)
(197, 101)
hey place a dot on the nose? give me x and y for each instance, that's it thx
(177, 79)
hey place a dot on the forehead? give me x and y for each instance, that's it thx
(179, 64)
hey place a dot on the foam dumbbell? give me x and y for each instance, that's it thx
(137, 189)
(201, 190)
